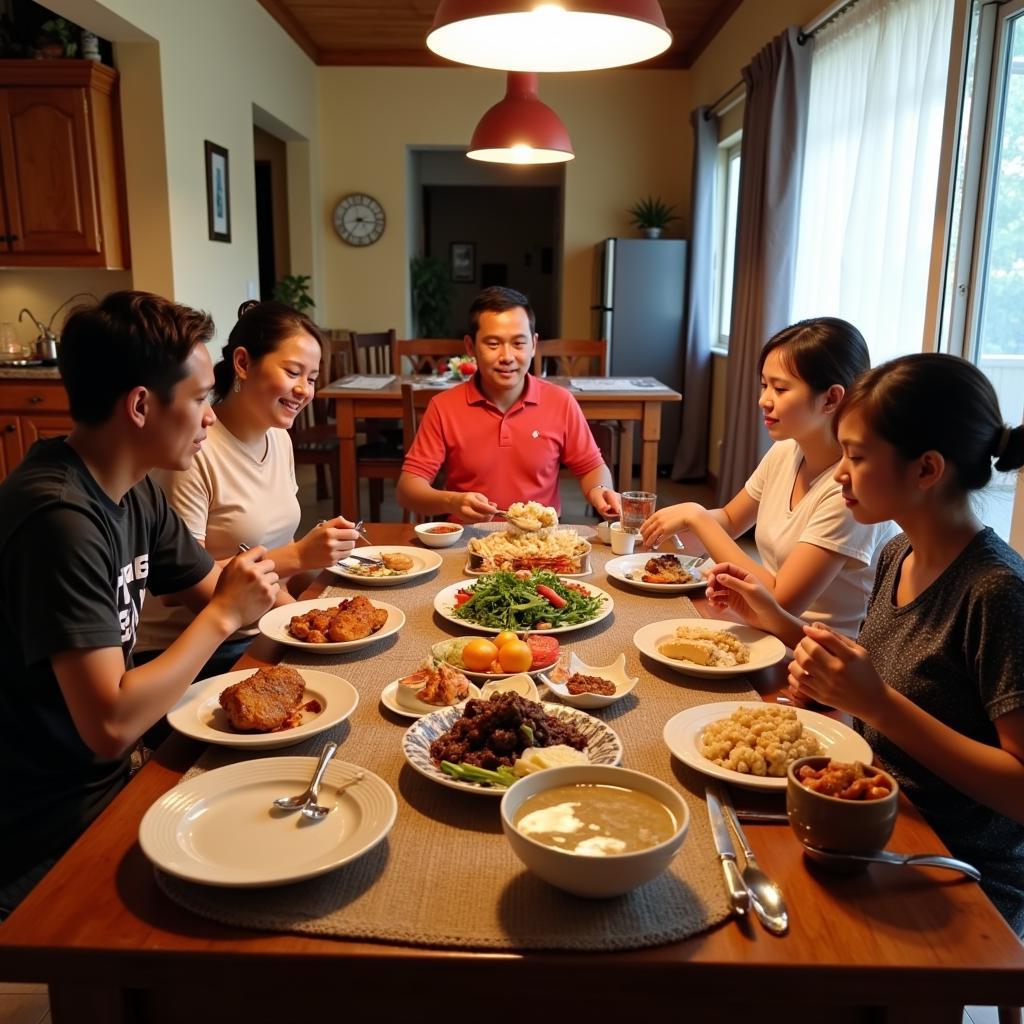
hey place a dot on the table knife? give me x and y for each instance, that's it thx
(738, 895)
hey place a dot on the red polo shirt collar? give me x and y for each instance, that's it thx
(530, 395)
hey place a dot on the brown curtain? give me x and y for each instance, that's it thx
(691, 461)
(774, 124)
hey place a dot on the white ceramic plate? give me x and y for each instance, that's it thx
(389, 698)
(221, 828)
(424, 561)
(765, 649)
(439, 648)
(444, 604)
(198, 714)
(603, 744)
(682, 732)
(275, 625)
(614, 673)
(618, 568)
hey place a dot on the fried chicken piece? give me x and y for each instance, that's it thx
(358, 620)
(264, 701)
(665, 569)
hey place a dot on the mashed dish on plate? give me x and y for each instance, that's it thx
(705, 647)
(758, 741)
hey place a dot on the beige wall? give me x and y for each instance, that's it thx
(200, 68)
(628, 129)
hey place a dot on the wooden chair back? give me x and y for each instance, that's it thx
(414, 402)
(425, 355)
(371, 352)
(571, 357)
(337, 361)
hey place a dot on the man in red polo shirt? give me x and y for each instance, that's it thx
(502, 436)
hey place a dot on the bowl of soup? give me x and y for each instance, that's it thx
(439, 535)
(594, 830)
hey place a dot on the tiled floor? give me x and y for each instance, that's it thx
(28, 1004)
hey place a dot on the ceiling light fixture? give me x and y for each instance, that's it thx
(520, 129)
(535, 35)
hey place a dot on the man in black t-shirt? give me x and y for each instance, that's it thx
(84, 537)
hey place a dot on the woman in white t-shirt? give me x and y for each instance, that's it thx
(241, 488)
(816, 559)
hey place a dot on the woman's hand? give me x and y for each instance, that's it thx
(834, 670)
(666, 521)
(326, 544)
(731, 586)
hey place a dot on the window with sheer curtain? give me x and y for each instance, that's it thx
(867, 206)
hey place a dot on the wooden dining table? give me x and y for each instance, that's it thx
(890, 944)
(631, 406)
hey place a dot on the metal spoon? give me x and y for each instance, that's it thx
(307, 800)
(765, 895)
(923, 860)
(526, 525)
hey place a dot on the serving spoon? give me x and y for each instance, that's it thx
(910, 860)
(526, 525)
(765, 894)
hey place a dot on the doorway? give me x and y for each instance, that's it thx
(272, 230)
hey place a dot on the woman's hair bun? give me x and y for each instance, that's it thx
(246, 306)
(1009, 453)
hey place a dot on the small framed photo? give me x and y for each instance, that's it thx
(218, 195)
(463, 262)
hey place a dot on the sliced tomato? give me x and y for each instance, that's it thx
(543, 648)
(462, 597)
(554, 599)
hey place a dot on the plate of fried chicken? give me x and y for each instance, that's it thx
(272, 707)
(665, 573)
(330, 625)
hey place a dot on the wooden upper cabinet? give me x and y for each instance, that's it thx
(61, 167)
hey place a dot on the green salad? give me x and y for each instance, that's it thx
(541, 600)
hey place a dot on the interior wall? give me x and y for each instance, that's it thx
(217, 61)
(627, 128)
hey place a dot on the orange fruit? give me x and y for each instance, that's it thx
(515, 656)
(478, 654)
(504, 637)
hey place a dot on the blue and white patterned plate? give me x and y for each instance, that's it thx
(603, 744)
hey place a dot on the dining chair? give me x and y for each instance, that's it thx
(414, 402)
(371, 351)
(425, 355)
(588, 357)
(315, 442)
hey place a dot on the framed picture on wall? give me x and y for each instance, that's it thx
(463, 261)
(218, 196)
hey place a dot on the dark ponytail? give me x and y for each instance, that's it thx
(261, 327)
(822, 351)
(936, 402)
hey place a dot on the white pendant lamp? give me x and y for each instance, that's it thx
(520, 129)
(549, 35)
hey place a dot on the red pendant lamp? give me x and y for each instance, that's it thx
(520, 129)
(549, 35)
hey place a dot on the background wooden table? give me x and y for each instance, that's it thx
(642, 405)
(892, 944)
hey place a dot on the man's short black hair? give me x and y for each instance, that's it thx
(128, 340)
(499, 300)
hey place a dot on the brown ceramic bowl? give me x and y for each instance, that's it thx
(831, 823)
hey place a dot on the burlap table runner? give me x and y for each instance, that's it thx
(446, 876)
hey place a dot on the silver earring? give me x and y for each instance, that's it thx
(238, 385)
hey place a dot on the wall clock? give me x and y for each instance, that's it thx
(359, 219)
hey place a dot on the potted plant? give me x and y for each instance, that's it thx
(431, 296)
(293, 290)
(651, 215)
(57, 39)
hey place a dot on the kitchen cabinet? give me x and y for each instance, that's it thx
(29, 410)
(62, 195)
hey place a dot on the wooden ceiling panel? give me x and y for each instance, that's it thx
(393, 32)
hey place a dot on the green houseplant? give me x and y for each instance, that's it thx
(58, 38)
(293, 290)
(651, 215)
(431, 296)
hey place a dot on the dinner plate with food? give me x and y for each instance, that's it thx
(221, 827)
(395, 565)
(535, 601)
(589, 686)
(507, 654)
(752, 744)
(271, 707)
(659, 573)
(330, 626)
(712, 648)
(435, 684)
(484, 747)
